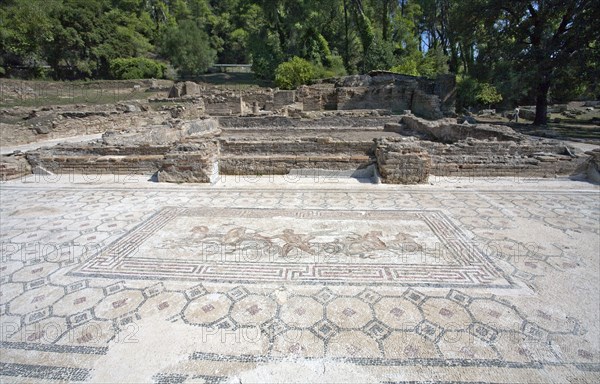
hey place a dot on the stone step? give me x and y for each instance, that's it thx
(301, 147)
(284, 164)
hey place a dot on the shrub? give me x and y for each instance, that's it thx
(136, 68)
(293, 73)
(488, 95)
(466, 91)
(407, 66)
(334, 69)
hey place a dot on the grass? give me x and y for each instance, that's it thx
(235, 80)
(46, 93)
(61, 94)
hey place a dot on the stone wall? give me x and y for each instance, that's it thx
(402, 162)
(91, 164)
(184, 153)
(225, 106)
(14, 166)
(408, 160)
(592, 166)
(283, 98)
(279, 157)
(190, 163)
(195, 151)
(449, 131)
(445, 90)
(431, 99)
(323, 122)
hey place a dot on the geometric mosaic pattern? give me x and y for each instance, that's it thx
(66, 306)
(251, 256)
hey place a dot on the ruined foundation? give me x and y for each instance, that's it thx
(403, 151)
(388, 127)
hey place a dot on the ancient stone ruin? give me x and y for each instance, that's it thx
(387, 127)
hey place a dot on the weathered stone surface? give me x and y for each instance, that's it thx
(190, 88)
(393, 127)
(129, 108)
(448, 130)
(13, 166)
(176, 91)
(527, 114)
(283, 98)
(593, 165)
(154, 135)
(200, 128)
(402, 161)
(431, 99)
(337, 141)
(42, 130)
(184, 152)
(189, 164)
(323, 120)
(162, 134)
(95, 163)
(187, 88)
(466, 119)
(354, 81)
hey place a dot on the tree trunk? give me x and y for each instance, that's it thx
(347, 42)
(541, 102)
(384, 20)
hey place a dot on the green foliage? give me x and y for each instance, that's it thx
(2, 71)
(266, 54)
(487, 94)
(409, 64)
(472, 93)
(365, 31)
(186, 47)
(293, 73)
(25, 27)
(466, 92)
(379, 56)
(530, 51)
(434, 63)
(334, 69)
(406, 32)
(136, 68)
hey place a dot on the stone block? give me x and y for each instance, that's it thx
(190, 89)
(176, 91)
(402, 162)
(393, 127)
(283, 98)
(14, 166)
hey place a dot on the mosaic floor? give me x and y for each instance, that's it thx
(272, 281)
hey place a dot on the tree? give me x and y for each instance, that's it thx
(186, 47)
(488, 95)
(434, 63)
(76, 34)
(25, 28)
(545, 36)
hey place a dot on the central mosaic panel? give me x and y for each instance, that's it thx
(238, 245)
